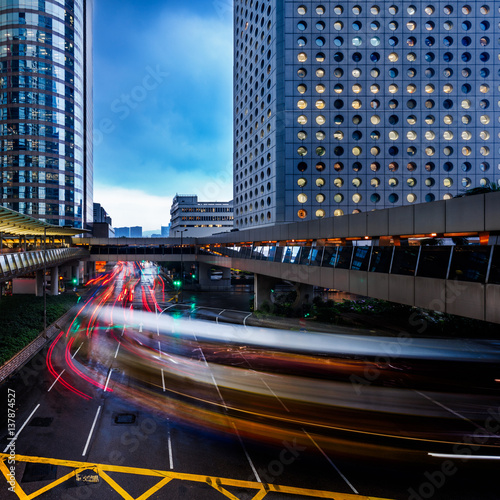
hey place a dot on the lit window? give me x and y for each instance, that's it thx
(375, 182)
(448, 119)
(484, 88)
(338, 134)
(356, 151)
(302, 151)
(320, 104)
(301, 182)
(357, 41)
(320, 88)
(356, 182)
(393, 57)
(485, 119)
(411, 9)
(393, 88)
(375, 119)
(302, 120)
(356, 10)
(375, 41)
(320, 120)
(393, 135)
(374, 73)
(302, 10)
(356, 72)
(429, 10)
(302, 135)
(411, 25)
(410, 135)
(484, 151)
(447, 135)
(466, 104)
(320, 72)
(302, 104)
(302, 57)
(430, 151)
(375, 151)
(430, 135)
(320, 10)
(356, 104)
(448, 182)
(356, 197)
(338, 182)
(484, 182)
(338, 198)
(320, 182)
(357, 88)
(410, 89)
(302, 198)
(466, 151)
(429, 88)
(338, 9)
(374, 10)
(301, 213)
(302, 89)
(466, 135)
(320, 135)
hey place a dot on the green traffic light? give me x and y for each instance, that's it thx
(74, 281)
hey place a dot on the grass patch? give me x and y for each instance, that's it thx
(21, 319)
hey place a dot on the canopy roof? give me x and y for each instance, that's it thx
(15, 223)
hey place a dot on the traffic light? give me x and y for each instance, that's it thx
(177, 283)
(74, 281)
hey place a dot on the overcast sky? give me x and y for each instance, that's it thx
(162, 106)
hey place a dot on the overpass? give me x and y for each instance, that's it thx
(383, 254)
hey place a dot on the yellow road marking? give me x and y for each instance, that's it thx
(216, 482)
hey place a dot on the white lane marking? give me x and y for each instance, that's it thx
(463, 457)
(13, 440)
(117, 347)
(54, 383)
(159, 348)
(274, 394)
(254, 470)
(245, 318)
(217, 318)
(170, 455)
(140, 328)
(455, 413)
(107, 380)
(91, 431)
(77, 351)
(163, 380)
(123, 331)
(331, 463)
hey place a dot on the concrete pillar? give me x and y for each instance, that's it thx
(39, 283)
(54, 281)
(90, 271)
(305, 294)
(213, 277)
(262, 285)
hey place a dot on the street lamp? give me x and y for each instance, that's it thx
(44, 283)
(182, 263)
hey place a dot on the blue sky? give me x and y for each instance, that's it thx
(162, 106)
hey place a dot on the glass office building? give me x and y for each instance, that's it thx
(46, 109)
(343, 107)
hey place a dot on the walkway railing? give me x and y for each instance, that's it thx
(473, 263)
(17, 264)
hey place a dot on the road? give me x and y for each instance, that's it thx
(141, 397)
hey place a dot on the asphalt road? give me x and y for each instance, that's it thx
(116, 408)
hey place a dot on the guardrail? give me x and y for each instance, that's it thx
(17, 264)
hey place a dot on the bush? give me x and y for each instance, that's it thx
(22, 320)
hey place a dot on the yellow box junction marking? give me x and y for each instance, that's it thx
(261, 489)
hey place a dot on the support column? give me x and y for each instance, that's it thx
(262, 285)
(305, 294)
(213, 277)
(40, 278)
(54, 281)
(90, 270)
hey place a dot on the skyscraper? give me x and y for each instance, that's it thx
(46, 109)
(342, 107)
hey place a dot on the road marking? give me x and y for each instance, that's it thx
(54, 383)
(170, 455)
(245, 318)
(123, 331)
(274, 394)
(140, 328)
(260, 490)
(91, 431)
(163, 380)
(14, 439)
(246, 453)
(159, 348)
(455, 413)
(331, 463)
(117, 347)
(107, 380)
(72, 357)
(217, 318)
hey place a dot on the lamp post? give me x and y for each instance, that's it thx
(182, 263)
(44, 284)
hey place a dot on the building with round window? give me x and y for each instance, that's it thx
(46, 109)
(342, 107)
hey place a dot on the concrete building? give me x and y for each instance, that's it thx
(352, 106)
(199, 218)
(165, 231)
(100, 215)
(122, 232)
(136, 232)
(46, 110)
